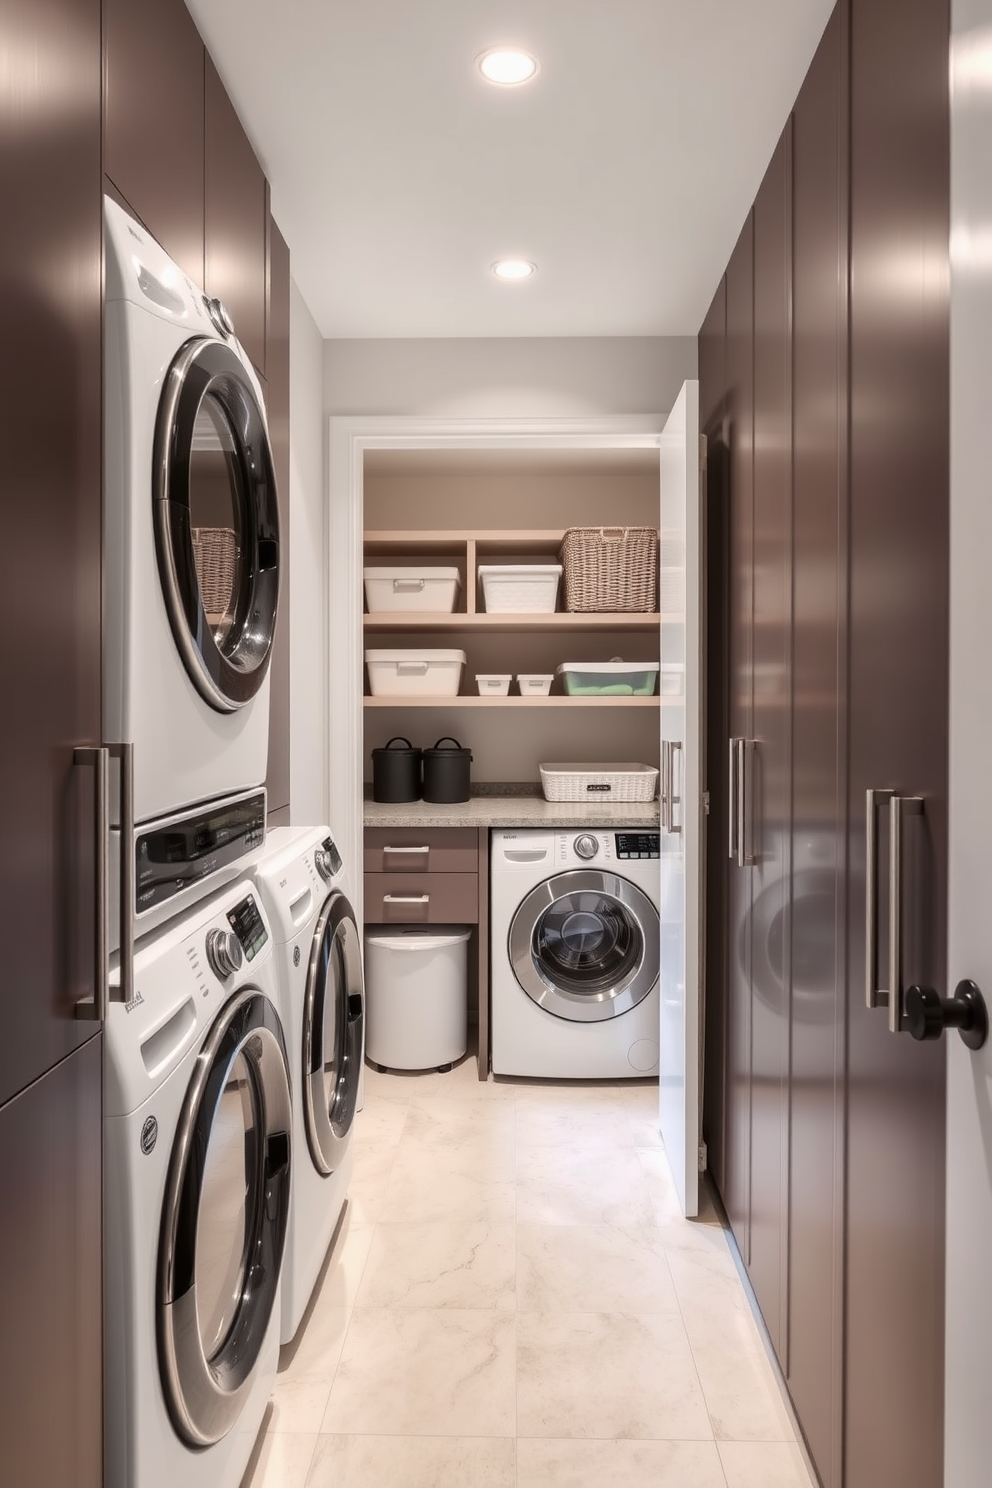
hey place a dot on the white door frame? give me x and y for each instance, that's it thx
(349, 438)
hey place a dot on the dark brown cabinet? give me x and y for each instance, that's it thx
(277, 364)
(236, 220)
(153, 130)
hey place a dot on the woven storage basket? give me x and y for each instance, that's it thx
(610, 568)
(619, 782)
(215, 552)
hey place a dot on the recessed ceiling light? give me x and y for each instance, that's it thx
(507, 66)
(514, 268)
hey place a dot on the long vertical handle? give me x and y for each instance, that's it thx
(666, 761)
(674, 747)
(732, 801)
(900, 806)
(745, 803)
(124, 753)
(875, 996)
(743, 858)
(99, 758)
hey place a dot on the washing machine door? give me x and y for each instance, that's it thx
(216, 522)
(584, 946)
(224, 1220)
(333, 1029)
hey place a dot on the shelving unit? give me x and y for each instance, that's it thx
(513, 702)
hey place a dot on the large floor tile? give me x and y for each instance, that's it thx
(618, 1464)
(413, 1462)
(449, 1122)
(370, 1179)
(607, 1375)
(661, 1185)
(640, 1104)
(281, 1461)
(411, 1372)
(380, 1122)
(299, 1401)
(592, 1268)
(569, 1095)
(471, 1182)
(562, 1186)
(764, 1465)
(585, 1126)
(461, 1082)
(743, 1395)
(441, 1265)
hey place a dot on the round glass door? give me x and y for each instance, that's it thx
(224, 1220)
(217, 523)
(333, 1029)
(584, 946)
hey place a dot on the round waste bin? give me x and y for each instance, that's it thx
(416, 996)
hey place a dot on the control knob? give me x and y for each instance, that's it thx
(224, 952)
(325, 866)
(219, 315)
(586, 846)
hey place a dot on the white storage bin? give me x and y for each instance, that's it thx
(493, 684)
(609, 678)
(599, 782)
(416, 996)
(411, 589)
(535, 684)
(520, 588)
(415, 673)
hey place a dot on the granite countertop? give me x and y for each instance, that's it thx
(510, 805)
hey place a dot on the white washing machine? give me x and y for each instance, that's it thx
(304, 887)
(198, 1153)
(574, 934)
(191, 534)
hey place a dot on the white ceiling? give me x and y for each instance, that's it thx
(625, 170)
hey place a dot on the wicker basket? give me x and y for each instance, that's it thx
(610, 568)
(215, 552)
(599, 782)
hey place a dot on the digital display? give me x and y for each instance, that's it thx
(247, 924)
(170, 857)
(638, 844)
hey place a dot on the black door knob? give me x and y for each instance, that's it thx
(928, 1014)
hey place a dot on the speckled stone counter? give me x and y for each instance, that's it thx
(514, 806)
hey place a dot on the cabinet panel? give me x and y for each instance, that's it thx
(235, 220)
(712, 359)
(277, 407)
(429, 899)
(51, 1402)
(739, 428)
(449, 850)
(50, 390)
(898, 722)
(770, 783)
(818, 765)
(153, 140)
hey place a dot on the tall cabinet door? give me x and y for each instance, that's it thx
(819, 541)
(768, 802)
(739, 427)
(899, 530)
(50, 1065)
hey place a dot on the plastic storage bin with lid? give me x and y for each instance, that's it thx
(416, 996)
(614, 678)
(425, 589)
(415, 672)
(520, 588)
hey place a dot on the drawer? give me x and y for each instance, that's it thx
(402, 850)
(418, 899)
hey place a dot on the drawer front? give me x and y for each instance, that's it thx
(413, 850)
(419, 899)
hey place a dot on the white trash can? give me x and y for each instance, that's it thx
(416, 996)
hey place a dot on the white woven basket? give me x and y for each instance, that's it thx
(596, 782)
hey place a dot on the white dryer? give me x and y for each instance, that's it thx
(191, 534)
(304, 887)
(574, 936)
(198, 1152)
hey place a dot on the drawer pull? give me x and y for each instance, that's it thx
(406, 849)
(406, 898)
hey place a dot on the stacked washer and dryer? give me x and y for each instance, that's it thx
(202, 1142)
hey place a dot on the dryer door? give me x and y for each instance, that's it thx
(216, 522)
(224, 1220)
(333, 1029)
(584, 946)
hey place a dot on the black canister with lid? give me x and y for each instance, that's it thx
(447, 776)
(396, 772)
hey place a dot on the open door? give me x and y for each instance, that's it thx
(682, 835)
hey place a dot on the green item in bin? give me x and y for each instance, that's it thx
(618, 689)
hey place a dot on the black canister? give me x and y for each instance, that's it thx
(447, 776)
(396, 772)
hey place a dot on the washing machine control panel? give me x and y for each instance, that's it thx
(638, 845)
(180, 851)
(224, 952)
(248, 926)
(585, 846)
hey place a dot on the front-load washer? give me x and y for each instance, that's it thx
(197, 1164)
(191, 534)
(304, 887)
(575, 944)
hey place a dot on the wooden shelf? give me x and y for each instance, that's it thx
(513, 701)
(412, 620)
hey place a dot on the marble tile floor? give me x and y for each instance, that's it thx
(513, 1300)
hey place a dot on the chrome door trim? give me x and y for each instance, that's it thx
(206, 1396)
(335, 989)
(587, 1007)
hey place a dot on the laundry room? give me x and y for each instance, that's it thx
(480, 1006)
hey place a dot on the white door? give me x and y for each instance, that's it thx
(682, 834)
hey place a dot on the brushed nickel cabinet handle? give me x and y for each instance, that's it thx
(99, 758)
(406, 898)
(875, 996)
(900, 807)
(732, 784)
